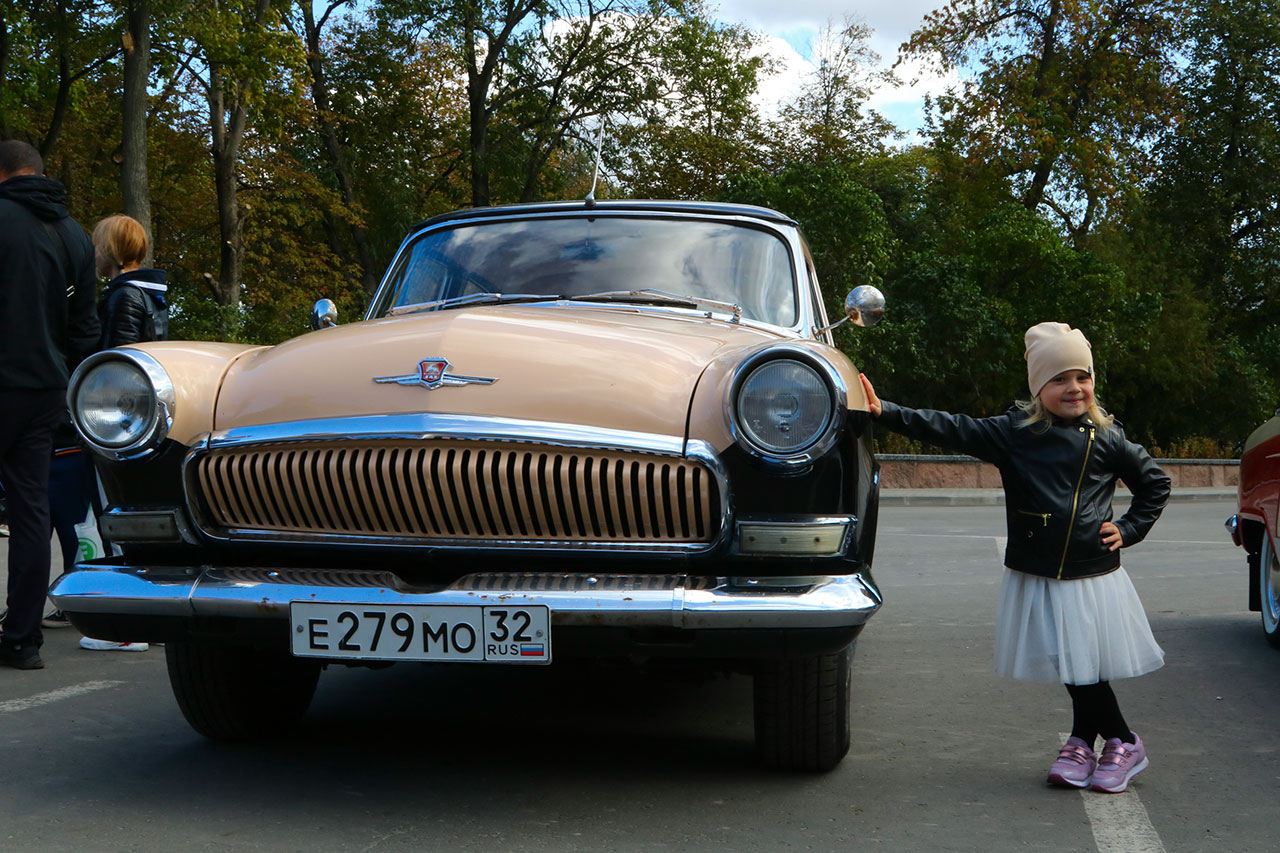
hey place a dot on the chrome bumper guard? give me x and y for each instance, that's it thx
(633, 601)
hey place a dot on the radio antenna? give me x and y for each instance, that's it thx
(595, 175)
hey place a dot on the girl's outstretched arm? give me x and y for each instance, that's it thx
(873, 402)
(985, 438)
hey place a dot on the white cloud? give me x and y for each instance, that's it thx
(789, 28)
(893, 22)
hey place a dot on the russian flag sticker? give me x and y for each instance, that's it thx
(532, 650)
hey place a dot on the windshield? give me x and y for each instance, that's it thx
(579, 256)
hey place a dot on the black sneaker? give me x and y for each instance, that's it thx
(55, 619)
(22, 656)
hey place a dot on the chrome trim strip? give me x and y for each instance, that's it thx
(425, 426)
(825, 602)
(824, 443)
(161, 385)
(789, 234)
(428, 426)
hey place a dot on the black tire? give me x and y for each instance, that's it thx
(239, 694)
(802, 711)
(1269, 591)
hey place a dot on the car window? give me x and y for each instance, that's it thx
(575, 256)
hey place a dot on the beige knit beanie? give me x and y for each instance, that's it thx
(1053, 348)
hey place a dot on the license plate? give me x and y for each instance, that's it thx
(516, 634)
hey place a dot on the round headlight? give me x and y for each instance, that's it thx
(115, 404)
(783, 406)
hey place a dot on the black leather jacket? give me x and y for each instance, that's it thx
(134, 310)
(1058, 484)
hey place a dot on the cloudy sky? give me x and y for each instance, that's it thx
(791, 26)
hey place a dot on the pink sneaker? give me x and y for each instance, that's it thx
(1119, 763)
(1074, 766)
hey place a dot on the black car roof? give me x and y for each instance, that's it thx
(611, 206)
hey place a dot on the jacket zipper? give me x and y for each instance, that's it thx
(1075, 504)
(1043, 516)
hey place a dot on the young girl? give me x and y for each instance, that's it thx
(1068, 612)
(134, 308)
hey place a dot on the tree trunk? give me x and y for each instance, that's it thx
(478, 79)
(135, 189)
(6, 129)
(369, 274)
(59, 102)
(225, 144)
(477, 93)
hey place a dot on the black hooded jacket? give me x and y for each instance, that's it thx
(48, 316)
(1058, 484)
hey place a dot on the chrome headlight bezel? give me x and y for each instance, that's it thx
(157, 425)
(825, 439)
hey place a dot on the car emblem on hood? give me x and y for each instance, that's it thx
(432, 373)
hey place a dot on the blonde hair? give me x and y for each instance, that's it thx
(1036, 413)
(121, 240)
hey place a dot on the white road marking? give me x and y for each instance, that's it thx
(1119, 822)
(55, 695)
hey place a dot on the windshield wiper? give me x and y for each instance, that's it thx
(663, 297)
(473, 299)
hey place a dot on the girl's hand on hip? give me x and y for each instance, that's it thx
(873, 402)
(1111, 536)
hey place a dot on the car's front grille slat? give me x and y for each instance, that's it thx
(457, 490)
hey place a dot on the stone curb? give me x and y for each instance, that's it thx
(995, 497)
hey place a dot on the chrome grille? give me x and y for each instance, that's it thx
(459, 490)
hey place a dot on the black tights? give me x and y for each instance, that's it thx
(1096, 712)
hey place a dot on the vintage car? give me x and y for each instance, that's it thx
(614, 430)
(1255, 526)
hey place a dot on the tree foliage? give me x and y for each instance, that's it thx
(1066, 97)
(1113, 164)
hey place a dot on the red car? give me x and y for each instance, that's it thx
(1256, 526)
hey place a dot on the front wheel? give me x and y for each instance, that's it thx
(1269, 587)
(802, 711)
(239, 694)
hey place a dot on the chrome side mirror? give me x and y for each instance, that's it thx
(324, 314)
(864, 306)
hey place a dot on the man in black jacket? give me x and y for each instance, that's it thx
(48, 323)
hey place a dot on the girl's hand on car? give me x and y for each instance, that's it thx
(873, 402)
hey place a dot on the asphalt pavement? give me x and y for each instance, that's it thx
(945, 756)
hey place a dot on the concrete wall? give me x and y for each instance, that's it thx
(965, 472)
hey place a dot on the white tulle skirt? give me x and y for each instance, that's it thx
(1073, 631)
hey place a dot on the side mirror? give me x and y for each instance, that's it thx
(324, 314)
(864, 306)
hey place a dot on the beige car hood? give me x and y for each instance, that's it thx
(609, 367)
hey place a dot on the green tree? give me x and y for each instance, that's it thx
(1210, 225)
(248, 66)
(537, 73)
(699, 125)
(46, 51)
(829, 118)
(1066, 98)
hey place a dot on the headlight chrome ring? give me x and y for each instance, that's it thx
(785, 406)
(121, 403)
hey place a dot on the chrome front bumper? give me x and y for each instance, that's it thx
(632, 601)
